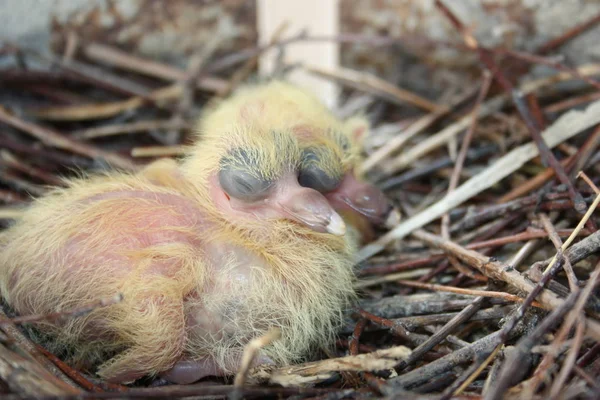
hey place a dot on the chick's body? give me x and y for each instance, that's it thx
(203, 266)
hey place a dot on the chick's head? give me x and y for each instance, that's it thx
(274, 152)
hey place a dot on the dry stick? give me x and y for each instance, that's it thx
(440, 138)
(585, 152)
(125, 129)
(250, 65)
(396, 143)
(523, 347)
(10, 213)
(547, 157)
(494, 104)
(492, 211)
(396, 328)
(477, 371)
(250, 352)
(25, 377)
(501, 241)
(491, 268)
(105, 110)
(470, 292)
(568, 35)
(443, 332)
(54, 139)
(120, 59)
(48, 375)
(573, 283)
(9, 159)
(564, 128)
(536, 84)
(462, 155)
(579, 226)
(74, 375)
(11, 197)
(372, 84)
(355, 338)
(571, 102)
(533, 183)
(517, 96)
(460, 160)
(195, 69)
(21, 184)
(579, 250)
(418, 321)
(435, 368)
(415, 273)
(159, 151)
(576, 302)
(472, 155)
(182, 391)
(319, 370)
(414, 129)
(535, 59)
(569, 362)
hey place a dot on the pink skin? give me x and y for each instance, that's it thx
(361, 198)
(288, 200)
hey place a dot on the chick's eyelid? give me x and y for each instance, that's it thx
(240, 184)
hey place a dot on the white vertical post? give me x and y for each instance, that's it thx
(318, 18)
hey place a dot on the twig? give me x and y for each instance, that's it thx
(74, 375)
(47, 378)
(105, 110)
(568, 35)
(414, 129)
(54, 139)
(372, 84)
(533, 183)
(517, 97)
(569, 361)
(470, 292)
(476, 372)
(483, 346)
(490, 267)
(443, 332)
(316, 371)
(250, 352)
(579, 226)
(13, 161)
(545, 153)
(573, 283)
(438, 139)
(120, 59)
(245, 70)
(394, 327)
(567, 126)
(134, 127)
(159, 151)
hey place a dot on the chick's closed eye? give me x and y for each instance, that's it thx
(319, 170)
(240, 178)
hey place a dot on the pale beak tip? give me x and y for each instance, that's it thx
(393, 219)
(336, 225)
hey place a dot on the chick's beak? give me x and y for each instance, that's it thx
(366, 200)
(311, 208)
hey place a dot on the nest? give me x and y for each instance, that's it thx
(485, 289)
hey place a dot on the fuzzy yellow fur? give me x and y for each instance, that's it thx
(78, 244)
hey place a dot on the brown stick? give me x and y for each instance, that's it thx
(54, 139)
